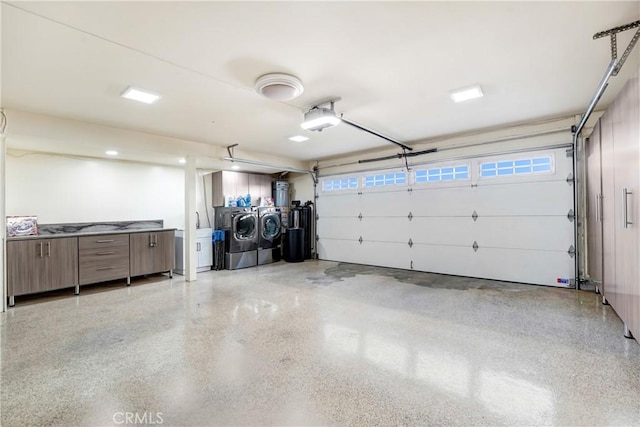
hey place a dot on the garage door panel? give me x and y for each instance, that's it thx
(541, 233)
(339, 228)
(383, 203)
(549, 268)
(339, 205)
(526, 198)
(437, 201)
(341, 250)
(395, 255)
(527, 266)
(442, 230)
(456, 260)
(385, 229)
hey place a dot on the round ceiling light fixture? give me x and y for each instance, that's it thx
(279, 87)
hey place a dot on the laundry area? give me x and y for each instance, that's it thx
(320, 213)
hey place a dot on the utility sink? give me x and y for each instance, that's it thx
(200, 232)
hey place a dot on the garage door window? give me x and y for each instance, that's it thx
(348, 183)
(516, 167)
(449, 173)
(383, 179)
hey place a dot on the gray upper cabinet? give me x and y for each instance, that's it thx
(226, 183)
(41, 265)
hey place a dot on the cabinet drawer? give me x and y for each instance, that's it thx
(104, 242)
(100, 269)
(103, 258)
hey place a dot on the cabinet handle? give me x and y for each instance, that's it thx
(105, 268)
(151, 243)
(597, 208)
(601, 200)
(198, 246)
(625, 207)
(48, 249)
(40, 244)
(104, 241)
(105, 253)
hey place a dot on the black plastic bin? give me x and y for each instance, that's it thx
(294, 245)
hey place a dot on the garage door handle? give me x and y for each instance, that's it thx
(625, 207)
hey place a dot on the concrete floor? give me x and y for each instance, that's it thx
(317, 344)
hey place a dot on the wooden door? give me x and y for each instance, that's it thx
(608, 214)
(163, 251)
(594, 208)
(26, 272)
(61, 259)
(255, 188)
(627, 190)
(242, 183)
(142, 254)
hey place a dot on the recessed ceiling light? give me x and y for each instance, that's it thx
(140, 95)
(182, 161)
(235, 167)
(298, 138)
(111, 153)
(466, 94)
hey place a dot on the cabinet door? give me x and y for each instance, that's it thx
(242, 186)
(266, 186)
(163, 251)
(142, 254)
(255, 188)
(26, 272)
(61, 259)
(229, 183)
(627, 151)
(609, 279)
(205, 252)
(594, 207)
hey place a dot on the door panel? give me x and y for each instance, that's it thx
(62, 262)
(594, 199)
(608, 215)
(164, 251)
(26, 271)
(141, 254)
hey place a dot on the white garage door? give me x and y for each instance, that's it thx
(504, 217)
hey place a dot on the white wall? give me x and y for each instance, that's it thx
(301, 187)
(61, 189)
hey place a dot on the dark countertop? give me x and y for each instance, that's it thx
(88, 233)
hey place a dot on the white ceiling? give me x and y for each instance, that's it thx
(392, 64)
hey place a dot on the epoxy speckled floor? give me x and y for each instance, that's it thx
(318, 343)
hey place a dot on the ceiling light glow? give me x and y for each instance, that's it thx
(466, 94)
(235, 167)
(111, 153)
(140, 95)
(319, 118)
(298, 138)
(182, 161)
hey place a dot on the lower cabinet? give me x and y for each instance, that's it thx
(204, 250)
(152, 252)
(41, 265)
(103, 258)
